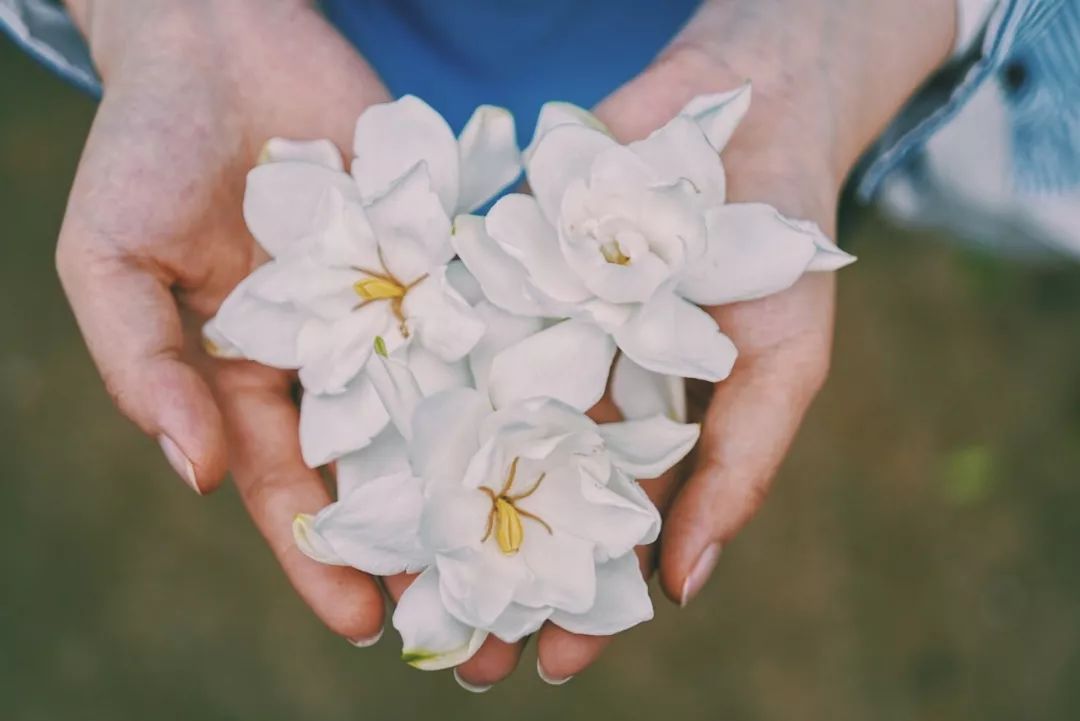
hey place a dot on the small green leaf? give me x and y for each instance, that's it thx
(380, 346)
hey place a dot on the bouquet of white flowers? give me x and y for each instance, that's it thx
(448, 359)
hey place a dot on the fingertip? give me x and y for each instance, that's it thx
(495, 660)
(347, 601)
(562, 655)
(182, 414)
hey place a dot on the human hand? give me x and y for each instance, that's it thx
(827, 76)
(153, 240)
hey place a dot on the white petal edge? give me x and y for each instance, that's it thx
(640, 393)
(569, 362)
(375, 528)
(396, 386)
(503, 280)
(561, 156)
(622, 601)
(672, 336)
(332, 426)
(502, 330)
(432, 639)
(647, 447)
(392, 137)
(282, 200)
(318, 152)
(754, 251)
(719, 114)
(489, 156)
(555, 113)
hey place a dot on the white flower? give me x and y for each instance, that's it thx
(631, 239)
(361, 256)
(519, 513)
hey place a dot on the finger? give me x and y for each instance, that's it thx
(493, 662)
(130, 321)
(275, 485)
(561, 654)
(747, 430)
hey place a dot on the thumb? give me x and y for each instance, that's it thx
(132, 328)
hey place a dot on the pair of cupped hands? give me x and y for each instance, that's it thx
(153, 240)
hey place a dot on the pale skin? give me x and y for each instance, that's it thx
(153, 240)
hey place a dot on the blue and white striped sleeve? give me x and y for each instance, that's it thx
(45, 31)
(1029, 47)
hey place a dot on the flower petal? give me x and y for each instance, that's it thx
(538, 366)
(555, 113)
(680, 149)
(622, 601)
(332, 426)
(311, 543)
(332, 353)
(432, 639)
(454, 517)
(563, 155)
(671, 336)
(640, 393)
(605, 508)
(464, 282)
(518, 621)
(647, 447)
(446, 433)
(216, 344)
(281, 201)
(563, 569)
(754, 251)
(386, 455)
(517, 225)
(828, 256)
(720, 113)
(397, 387)
(477, 585)
(504, 280)
(489, 156)
(375, 528)
(410, 212)
(258, 329)
(444, 323)
(393, 137)
(501, 330)
(320, 152)
(432, 373)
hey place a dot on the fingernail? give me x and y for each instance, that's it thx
(699, 574)
(468, 686)
(369, 641)
(180, 463)
(548, 679)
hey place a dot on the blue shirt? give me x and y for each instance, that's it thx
(519, 53)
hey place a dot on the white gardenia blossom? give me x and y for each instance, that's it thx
(628, 240)
(518, 513)
(360, 256)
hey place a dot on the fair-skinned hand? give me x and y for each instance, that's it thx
(827, 77)
(153, 240)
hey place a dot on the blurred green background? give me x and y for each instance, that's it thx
(919, 557)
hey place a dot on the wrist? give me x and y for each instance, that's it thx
(830, 74)
(148, 30)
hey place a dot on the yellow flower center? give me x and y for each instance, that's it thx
(504, 520)
(613, 253)
(382, 285)
(378, 289)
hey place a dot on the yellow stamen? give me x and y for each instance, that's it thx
(505, 517)
(378, 289)
(508, 531)
(613, 253)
